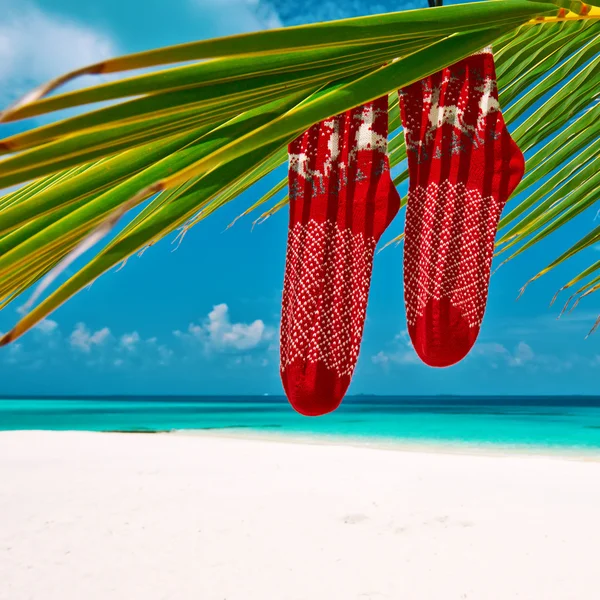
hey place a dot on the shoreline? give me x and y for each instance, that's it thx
(425, 446)
(407, 445)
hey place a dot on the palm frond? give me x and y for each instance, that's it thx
(186, 140)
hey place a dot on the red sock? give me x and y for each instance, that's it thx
(341, 200)
(463, 166)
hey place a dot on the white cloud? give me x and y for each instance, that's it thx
(495, 354)
(127, 351)
(381, 358)
(523, 355)
(47, 326)
(165, 355)
(265, 13)
(223, 333)
(83, 339)
(403, 352)
(498, 353)
(148, 352)
(36, 46)
(216, 334)
(129, 341)
(249, 360)
(220, 334)
(15, 353)
(401, 357)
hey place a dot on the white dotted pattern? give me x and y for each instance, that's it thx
(325, 295)
(454, 251)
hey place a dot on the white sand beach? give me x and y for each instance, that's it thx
(130, 516)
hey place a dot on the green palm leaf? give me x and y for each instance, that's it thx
(189, 139)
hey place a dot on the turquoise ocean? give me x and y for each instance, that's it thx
(553, 423)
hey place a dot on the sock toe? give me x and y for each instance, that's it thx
(442, 336)
(308, 397)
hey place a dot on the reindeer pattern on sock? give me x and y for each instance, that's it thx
(366, 138)
(451, 113)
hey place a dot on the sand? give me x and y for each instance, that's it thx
(86, 516)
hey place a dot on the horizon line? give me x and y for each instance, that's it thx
(277, 396)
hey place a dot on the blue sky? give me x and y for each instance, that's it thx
(204, 319)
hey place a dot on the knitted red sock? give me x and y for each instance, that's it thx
(463, 166)
(341, 200)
